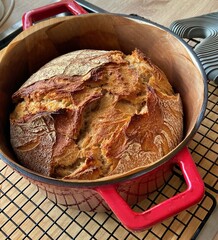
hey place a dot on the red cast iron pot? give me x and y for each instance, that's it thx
(40, 43)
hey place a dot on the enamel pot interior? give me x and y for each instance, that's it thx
(44, 41)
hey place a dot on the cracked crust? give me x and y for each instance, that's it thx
(90, 114)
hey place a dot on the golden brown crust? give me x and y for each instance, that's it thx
(94, 114)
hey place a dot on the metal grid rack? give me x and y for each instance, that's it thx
(27, 214)
(205, 144)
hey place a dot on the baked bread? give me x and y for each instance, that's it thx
(91, 113)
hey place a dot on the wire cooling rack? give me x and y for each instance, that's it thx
(27, 214)
(205, 144)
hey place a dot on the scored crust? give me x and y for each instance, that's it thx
(90, 114)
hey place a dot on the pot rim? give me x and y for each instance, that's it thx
(89, 184)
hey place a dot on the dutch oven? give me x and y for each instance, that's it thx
(46, 40)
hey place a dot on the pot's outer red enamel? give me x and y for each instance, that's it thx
(44, 41)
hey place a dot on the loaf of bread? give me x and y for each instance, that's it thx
(92, 113)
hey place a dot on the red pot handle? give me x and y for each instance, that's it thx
(172, 206)
(51, 10)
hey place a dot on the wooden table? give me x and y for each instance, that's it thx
(19, 9)
(163, 12)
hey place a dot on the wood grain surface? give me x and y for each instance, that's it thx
(20, 7)
(160, 11)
